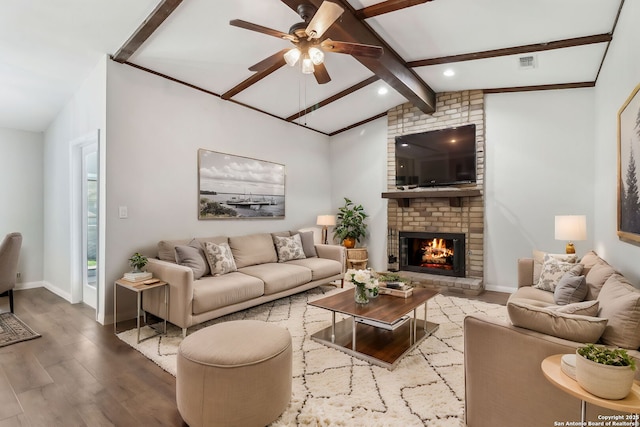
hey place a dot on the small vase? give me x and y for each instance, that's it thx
(372, 293)
(361, 294)
(605, 381)
(349, 242)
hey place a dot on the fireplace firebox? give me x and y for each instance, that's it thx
(432, 253)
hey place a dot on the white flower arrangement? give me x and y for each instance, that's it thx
(362, 278)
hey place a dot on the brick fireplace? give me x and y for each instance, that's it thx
(458, 210)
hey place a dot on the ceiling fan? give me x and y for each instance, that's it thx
(306, 36)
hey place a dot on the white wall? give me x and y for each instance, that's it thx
(83, 114)
(539, 155)
(21, 194)
(619, 76)
(359, 172)
(155, 129)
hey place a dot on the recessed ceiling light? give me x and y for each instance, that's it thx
(383, 90)
(404, 144)
(449, 72)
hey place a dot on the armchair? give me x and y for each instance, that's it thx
(9, 254)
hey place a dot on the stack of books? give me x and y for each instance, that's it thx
(138, 277)
(396, 289)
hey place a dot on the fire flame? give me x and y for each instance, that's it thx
(435, 251)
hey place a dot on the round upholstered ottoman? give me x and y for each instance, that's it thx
(235, 373)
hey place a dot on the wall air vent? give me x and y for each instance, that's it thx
(527, 62)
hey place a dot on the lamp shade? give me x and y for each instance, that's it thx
(326, 220)
(571, 227)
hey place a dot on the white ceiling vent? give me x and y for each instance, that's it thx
(527, 62)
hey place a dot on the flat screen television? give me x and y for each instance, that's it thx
(435, 158)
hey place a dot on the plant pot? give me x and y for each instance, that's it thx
(349, 242)
(605, 381)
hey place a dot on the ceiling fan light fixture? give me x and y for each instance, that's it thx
(292, 56)
(316, 55)
(307, 65)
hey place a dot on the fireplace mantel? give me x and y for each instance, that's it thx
(453, 194)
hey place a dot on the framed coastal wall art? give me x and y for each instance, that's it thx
(628, 168)
(236, 187)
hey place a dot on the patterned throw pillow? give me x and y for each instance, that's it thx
(289, 248)
(552, 271)
(220, 258)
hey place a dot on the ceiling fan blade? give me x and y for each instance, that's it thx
(321, 74)
(275, 59)
(264, 30)
(355, 49)
(328, 13)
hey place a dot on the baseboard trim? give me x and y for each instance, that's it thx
(57, 291)
(28, 285)
(505, 289)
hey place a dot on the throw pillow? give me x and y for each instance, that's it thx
(584, 308)
(538, 260)
(289, 248)
(193, 256)
(620, 302)
(220, 258)
(584, 329)
(552, 272)
(308, 245)
(570, 288)
(596, 277)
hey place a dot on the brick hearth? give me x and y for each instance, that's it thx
(438, 214)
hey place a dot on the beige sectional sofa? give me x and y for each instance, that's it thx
(262, 272)
(504, 384)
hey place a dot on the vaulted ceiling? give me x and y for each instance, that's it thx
(47, 48)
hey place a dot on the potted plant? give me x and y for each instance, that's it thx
(350, 227)
(605, 372)
(138, 261)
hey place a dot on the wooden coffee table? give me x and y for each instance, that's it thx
(380, 332)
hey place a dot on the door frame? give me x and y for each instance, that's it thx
(77, 220)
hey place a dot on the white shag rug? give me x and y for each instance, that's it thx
(331, 388)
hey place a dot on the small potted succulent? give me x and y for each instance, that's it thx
(137, 262)
(605, 372)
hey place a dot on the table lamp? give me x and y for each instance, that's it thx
(571, 227)
(325, 221)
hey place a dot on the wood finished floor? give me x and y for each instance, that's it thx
(79, 374)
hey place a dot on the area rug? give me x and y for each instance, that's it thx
(331, 388)
(14, 330)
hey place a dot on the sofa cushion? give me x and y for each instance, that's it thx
(253, 249)
(220, 258)
(538, 260)
(585, 329)
(218, 240)
(308, 243)
(620, 302)
(320, 267)
(571, 288)
(193, 256)
(544, 298)
(596, 277)
(289, 248)
(552, 271)
(590, 259)
(210, 293)
(584, 308)
(278, 277)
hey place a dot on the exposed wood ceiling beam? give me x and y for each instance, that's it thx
(144, 31)
(516, 50)
(540, 87)
(335, 97)
(389, 67)
(255, 78)
(386, 7)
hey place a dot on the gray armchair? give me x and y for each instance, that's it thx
(9, 254)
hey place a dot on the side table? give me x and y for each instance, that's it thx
(553, 373)
(357, 258)
(139, 288)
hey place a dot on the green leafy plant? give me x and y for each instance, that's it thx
(350, 222)
(392, 277)
(607, 356)
(138, 261)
